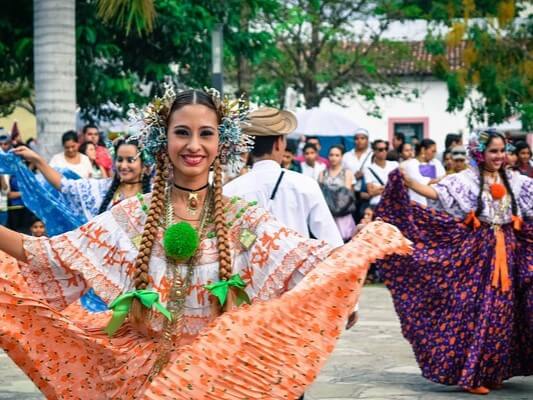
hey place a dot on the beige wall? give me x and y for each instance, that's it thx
(26, 122)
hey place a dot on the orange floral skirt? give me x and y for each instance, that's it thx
(269, 350)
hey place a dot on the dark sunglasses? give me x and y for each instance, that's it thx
(381, 149)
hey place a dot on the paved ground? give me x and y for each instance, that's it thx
(372, 361)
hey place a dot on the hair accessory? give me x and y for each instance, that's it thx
(477, 143)
(151, 122)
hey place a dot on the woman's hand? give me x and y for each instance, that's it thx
(49, 173)
(28, 154)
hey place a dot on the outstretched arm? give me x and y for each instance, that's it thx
(420, 188)
(48, 172)
(11, 243)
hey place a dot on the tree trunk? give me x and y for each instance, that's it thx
(311, 93)
(54, 51)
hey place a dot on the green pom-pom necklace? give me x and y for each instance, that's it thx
(180, 241)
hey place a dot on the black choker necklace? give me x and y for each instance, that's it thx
(191, 190)
(131, 183)
(192, 200)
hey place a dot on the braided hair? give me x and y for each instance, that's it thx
(157, 206)
(115, 183)
(503, 175)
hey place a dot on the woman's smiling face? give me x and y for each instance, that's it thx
(193, 141)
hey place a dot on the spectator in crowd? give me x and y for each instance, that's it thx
(295, 200)
(377, 173)
(459, 158)
(37, 228)
(451, 140)
(310, 166)
(71, 158)
(300, 147)
(398, 140)
(424, 168)
(523, 163)
(5, 142)
(511, 157)
(89, 149)
(447, 161)
(334, 177)
(103, 158)
(406, 152)
(315, 141)
(288, 161)
(18, 216)
(356, 161)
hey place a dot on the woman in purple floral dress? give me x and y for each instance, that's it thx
(465, 296)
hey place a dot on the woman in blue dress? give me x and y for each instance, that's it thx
(94, 196)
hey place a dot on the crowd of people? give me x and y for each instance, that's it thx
(209, 206)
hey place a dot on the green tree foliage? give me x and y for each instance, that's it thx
(113, 67)
(495, 79)
(318, 51)
(16, 53)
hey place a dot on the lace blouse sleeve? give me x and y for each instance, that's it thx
(272, 258)
(99, 254)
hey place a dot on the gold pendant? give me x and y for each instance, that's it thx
(192, 203)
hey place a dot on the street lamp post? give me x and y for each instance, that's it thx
(217, 57)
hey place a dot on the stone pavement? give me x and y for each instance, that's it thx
(371, 362)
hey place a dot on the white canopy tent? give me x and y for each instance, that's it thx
(323, 122)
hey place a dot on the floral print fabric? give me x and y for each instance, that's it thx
(64, 351)
(463, 330)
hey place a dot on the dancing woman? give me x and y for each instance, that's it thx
(168, 263)
(465, 296)
(94, 196)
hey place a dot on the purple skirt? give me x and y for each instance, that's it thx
(463, 330)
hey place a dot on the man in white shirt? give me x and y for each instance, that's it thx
(71, 158)
(377, 173)
(294, 199)
(357, 159)
(311, 167)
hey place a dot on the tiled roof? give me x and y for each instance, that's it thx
(421, 63)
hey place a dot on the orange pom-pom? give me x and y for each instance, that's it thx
(497, 190)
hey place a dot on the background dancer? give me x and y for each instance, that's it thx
(465, 296)
(94, 196)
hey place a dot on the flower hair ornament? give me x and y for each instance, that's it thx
(477, 144)
(151, 122)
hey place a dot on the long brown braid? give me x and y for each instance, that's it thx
(224, 256)
(157, 207)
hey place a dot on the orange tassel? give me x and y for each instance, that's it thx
(471, 218)
(517, 222)
(501, 270)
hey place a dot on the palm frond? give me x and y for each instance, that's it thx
(139, 14)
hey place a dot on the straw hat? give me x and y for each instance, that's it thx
(268, 121)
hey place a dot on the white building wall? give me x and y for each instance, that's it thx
(430, 107)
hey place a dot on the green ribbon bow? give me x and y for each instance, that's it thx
(220, 290)
(122, 304)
